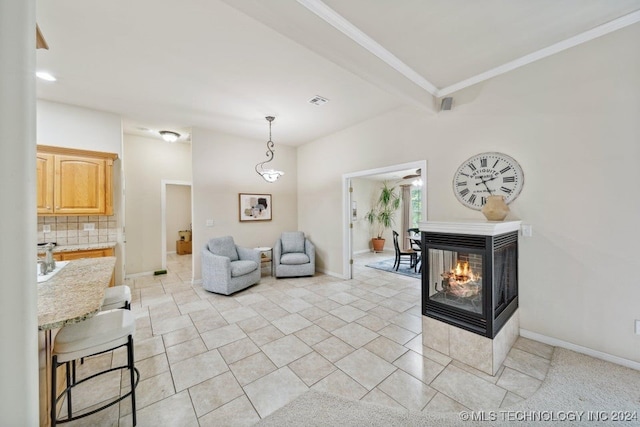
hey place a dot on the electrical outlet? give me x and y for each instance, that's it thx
(209, 223)
(637, 326)
(88, 226)
(46, 228)
(527, 230)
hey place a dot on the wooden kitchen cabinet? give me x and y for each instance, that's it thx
(74, 182)
(86, 253)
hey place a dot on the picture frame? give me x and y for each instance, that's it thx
(254, 207)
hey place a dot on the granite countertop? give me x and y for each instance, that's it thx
(75, 293)
(79, 247)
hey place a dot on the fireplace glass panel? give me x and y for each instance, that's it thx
(455, 279)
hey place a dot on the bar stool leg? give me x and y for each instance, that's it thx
(54, 379)
(131, 373)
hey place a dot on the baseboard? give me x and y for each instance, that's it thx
(329, 273)
(134, 275)
(580, 349)
(171, 252)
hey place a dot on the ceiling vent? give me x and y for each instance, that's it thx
(318, 100)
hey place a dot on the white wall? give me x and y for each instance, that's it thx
(223, 167)
(572, 121)
(19, 302)
(147, 162)
(178, 211)
(64, 125)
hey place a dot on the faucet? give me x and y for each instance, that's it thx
(50, 263)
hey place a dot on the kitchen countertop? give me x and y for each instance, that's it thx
(79, 247)
(75, 293)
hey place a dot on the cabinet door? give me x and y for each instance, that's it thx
(44, 178)
(80, 185)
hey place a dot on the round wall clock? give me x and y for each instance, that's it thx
(487, 174)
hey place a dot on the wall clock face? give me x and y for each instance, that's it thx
(487, 174)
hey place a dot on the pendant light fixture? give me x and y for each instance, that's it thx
(169, 135)
(269, 175)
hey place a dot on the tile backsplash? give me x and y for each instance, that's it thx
(70, 230)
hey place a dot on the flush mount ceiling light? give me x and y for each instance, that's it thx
(45, 76)
(269, 175)
(318, 100)
(169, 136)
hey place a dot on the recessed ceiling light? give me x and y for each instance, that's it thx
(318, 100)
(45, 76)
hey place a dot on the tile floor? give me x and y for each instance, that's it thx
(208, 359)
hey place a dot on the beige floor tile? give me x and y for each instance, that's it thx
(252, 367)
(419, 366)
(333, 349)
(248, 299)
(534, 347)
(312, 334)
(237, 413)
(386, 349)
(377, 369)
(330, 322)
(214, 392)
(294, 305)
(313, 313)
(409, 322)
(149, 391)
(442, 403)
(291, 323)
(265, 335)
(416, 345)
(180, 336)
(147, 348)
(238, 350)
(377, 397)
(397, 334)
(274, 390)
(207, 320)
(238, 314)
(192, 306)
(172, 411)
(343, 298)
(466, 388)
(312, 368)
(527, 363)
(372, 322)
(363, 304)
(197, 369)
(516, 382)
(341, 384)
(285, 350)
(355, 335)
(222, 336)
(186, 350)
(511, 399)
(348, 313)
(253, 323)
(412, 393)
(149, 367)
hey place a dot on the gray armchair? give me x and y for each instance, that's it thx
(227, 268)
(294, 255)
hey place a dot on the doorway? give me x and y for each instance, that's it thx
(177, 208)
(352, 222)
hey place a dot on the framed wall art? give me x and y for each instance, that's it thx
(255, 207)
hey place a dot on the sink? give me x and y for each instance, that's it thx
(59, 266)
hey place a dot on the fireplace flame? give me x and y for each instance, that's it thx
(462, 281)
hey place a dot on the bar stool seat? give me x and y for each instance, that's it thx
(104, 332)
(116, 297)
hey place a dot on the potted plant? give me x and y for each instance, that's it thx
(381, 215)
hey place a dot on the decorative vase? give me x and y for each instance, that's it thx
(378, 244)
(495, 209)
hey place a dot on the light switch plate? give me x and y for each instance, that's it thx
(88, 226)
(46, 228)
(209, 223)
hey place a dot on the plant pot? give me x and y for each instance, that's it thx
(378, 244)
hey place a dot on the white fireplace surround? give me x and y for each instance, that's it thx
(474, 227)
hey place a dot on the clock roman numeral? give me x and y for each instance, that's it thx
(464, 192)
(506, 190)
(505, 169)
(461, 184)
(495, 164)
(462, 173)
(472, 199)
(483, 163)
(508, 179)
(472, 167)
(483, 200)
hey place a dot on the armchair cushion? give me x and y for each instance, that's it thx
(240, 268)
(224, 246)
(292, 241)
(294, 259)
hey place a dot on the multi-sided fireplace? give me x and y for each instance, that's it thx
(470, 283)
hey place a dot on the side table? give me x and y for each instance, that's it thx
(266, 257)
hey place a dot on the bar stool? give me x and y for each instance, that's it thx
(104, 332)
(116, 297)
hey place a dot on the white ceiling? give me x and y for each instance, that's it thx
(226, 64)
